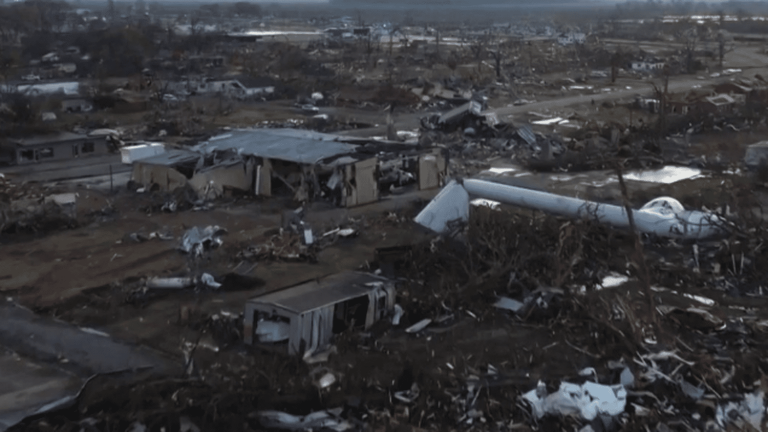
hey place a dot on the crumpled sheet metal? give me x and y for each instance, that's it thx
(588, 400)
(196, 240)
(450, 204)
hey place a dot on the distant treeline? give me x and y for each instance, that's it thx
(450, 2)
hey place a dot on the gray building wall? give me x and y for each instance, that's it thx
(62, 150)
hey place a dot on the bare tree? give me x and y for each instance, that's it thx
(478, 48)
(689, 39)
(662, 95)
(722, 48)
(615, 59)
(368, 47)
(497, 56)
(392, 31)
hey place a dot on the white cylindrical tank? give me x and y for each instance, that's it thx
(663, 216)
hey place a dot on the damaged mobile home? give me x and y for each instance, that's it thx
(304, 164)
(306, 316)
(288, 162)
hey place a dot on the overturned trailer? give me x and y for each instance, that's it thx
(664, 216)
(304, 317)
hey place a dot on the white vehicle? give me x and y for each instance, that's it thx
(310, 108)
(30, 77)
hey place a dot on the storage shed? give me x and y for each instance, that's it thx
(305, 316)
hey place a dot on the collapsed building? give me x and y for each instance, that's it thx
(304, 317)
(306, 164)
(302, 164)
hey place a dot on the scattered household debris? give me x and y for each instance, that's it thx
(587, 400)
(748, 412)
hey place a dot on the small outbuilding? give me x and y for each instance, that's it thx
(305, 316)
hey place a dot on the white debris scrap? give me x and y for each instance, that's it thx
(667, 175)
(94, 331)
(509, 304)
(419, 326)
(209, 281)
(587, 400)
(750, 410)
(613, 280)
(493, 205)
(316, 420)
(397, 315)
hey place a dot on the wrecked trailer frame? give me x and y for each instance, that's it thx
(663, 216)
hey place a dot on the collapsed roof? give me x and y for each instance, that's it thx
(287, 145)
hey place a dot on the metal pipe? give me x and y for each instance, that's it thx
(663, 216)
(170, 283)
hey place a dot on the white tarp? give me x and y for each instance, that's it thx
(587, 400)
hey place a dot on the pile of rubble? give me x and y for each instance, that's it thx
(475, 136)
(294, 241)
(483, 325)
(30, 207)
